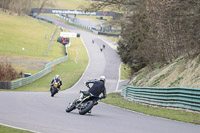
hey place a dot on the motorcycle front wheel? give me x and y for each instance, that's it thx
(54, 91)
(70, 107)
(87, 106)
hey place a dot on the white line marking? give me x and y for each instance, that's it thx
(119, 77)
(85, 69)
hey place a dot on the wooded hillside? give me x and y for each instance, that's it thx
(23, 6)
(156, 31)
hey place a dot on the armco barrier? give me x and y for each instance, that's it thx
(177, 97)
(73, 22)
(30, 79)
(5, 84)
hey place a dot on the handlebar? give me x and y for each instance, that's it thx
(88, 86)
(85, 83)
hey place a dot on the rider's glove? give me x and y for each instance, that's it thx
(84, 83)
(102, 97)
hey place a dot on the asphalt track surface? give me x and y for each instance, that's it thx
(37, 111)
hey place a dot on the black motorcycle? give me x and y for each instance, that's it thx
(54, 89)
(84, 103)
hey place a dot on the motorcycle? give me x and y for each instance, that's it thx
(84, 103)
(54, 89)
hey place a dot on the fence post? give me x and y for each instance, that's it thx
(53, 68)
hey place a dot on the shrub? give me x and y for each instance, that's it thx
(7, 72)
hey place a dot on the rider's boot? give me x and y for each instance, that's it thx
(95, 102)
(89, 111)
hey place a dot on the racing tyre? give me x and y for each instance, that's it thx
(70, 108)
(86, 107)
(53, 92)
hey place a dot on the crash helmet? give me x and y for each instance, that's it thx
(102, 78)
(57, 76)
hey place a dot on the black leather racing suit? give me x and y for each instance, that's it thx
(97, 88)
(56, 80)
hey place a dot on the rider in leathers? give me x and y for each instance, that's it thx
(56, 79)
(97, 88)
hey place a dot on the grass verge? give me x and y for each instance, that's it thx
(69, 71)
(5, 129)
(70, 4)
(27, 37)
(125, 72)
(113, 38)
(180, 115)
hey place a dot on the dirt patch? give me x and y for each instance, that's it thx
(25, 64)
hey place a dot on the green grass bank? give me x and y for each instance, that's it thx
(17, 32)
(180, 115)
(69, 71)
(6, 129)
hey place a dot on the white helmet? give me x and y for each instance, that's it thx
(57, 76)
(103, 78)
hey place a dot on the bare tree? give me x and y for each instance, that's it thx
(42, 6)
(7, 72)
(156, 30)
(23, 6)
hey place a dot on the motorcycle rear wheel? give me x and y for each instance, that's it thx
(88, 107)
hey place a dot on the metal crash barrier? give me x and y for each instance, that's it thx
(176, 97)
(48, 68)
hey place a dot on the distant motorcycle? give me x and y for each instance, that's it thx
(84, 103)
(54, 89)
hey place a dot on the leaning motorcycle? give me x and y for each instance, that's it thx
(84, 103)
(54, 89)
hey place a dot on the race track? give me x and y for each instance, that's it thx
(37, 111)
